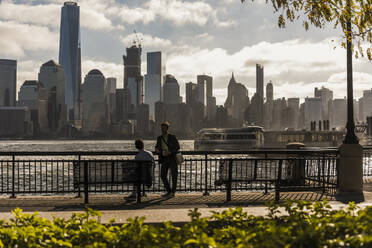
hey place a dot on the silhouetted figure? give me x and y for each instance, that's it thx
(167, 147)
(142, 155)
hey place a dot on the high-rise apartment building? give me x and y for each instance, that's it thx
(260, 93)
(236, 102)
(338, 114)
(269, 92)
(111, 98)
(32, 95)
(70, 57)
(326, 95)
(52, 76)
(313, 111)
(191, 93)
(209, 83)
(154, 80)
(171, 90)
(8, 82)
(268, 107)
(259, 80)
(94, 96)
(133, 81)
(294, 109)
(365, 106)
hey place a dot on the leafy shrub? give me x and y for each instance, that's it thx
(292, 224)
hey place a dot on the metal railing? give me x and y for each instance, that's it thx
(57, 172)
(367, 161)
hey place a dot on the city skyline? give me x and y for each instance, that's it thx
(292, 57)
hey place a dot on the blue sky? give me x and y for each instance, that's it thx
(214, 37)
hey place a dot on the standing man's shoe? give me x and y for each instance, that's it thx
(167, 195)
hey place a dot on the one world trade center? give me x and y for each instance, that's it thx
(70, 57)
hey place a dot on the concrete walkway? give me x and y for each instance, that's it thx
(155, 208)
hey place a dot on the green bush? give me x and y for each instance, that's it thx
(301, 224)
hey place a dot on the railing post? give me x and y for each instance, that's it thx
(13, 177)
(228, 186)
(337, 171)
(255, 170)
(79, 176)
(86, 183)
(206, 175)
(278, 181)
(323, 174)
(138, 184)
(112, 172)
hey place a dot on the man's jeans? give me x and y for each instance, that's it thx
(169, 163)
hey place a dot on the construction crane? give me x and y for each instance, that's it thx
(139, 41)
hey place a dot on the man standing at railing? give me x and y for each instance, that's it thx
(167, 147)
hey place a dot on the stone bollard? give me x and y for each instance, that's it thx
(350, 173)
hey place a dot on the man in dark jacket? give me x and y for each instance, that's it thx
(167, 147)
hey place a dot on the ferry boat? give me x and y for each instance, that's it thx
(215, 139)
(253, 137)
(280, 139)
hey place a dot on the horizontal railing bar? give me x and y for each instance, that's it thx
(129, 153)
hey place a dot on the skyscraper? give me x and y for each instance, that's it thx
(269, 92)
(312, 110)
(268, 107)
(70, 57)
(32, 94)
(294, 108)
(260, 93)
(133, 81)
(154, 80)
(94, 102)
(52, 76)
(8, 82)
(111, 98)
(171, 90)
(202, 93)
(259, 80)
(236, 102)
(326, 95)
(209, 83)
(191, 93)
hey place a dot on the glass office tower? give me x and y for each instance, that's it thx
(70, 57)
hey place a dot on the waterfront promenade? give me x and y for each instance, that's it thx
(48, 182)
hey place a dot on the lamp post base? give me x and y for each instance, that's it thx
(350, 177)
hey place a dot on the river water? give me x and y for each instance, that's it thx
(82, 145)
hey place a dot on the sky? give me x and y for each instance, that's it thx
(214, 37)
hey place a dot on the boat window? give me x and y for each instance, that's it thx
(211, 136)
(240, 136)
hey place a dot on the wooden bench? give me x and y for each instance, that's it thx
(261, 170)
(89, 173)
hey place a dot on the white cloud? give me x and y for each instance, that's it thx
(34, 14)
(292, 65)
(147, 41)
(92, 15)
(17, 38)
(178, 12)
(27, 70)
(131, 15)
(361, 81)
(293, 55)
